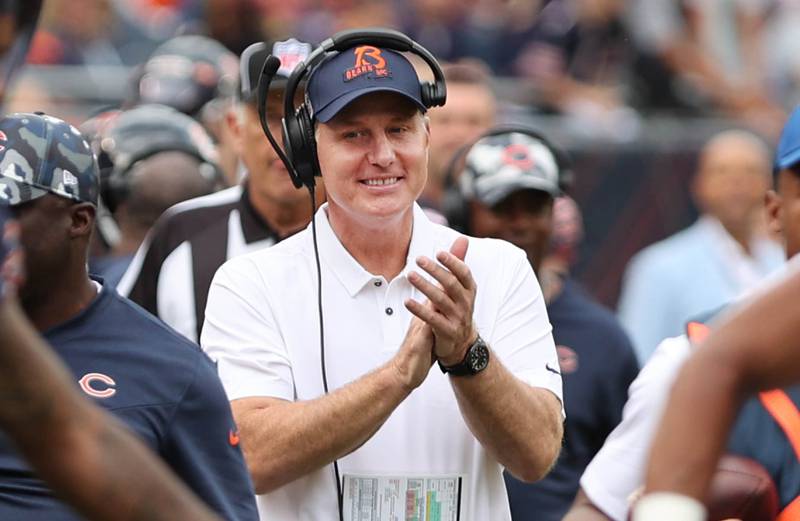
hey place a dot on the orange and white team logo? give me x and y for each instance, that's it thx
(98, 385)
(368, 60)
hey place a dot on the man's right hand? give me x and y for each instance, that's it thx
(414, 359)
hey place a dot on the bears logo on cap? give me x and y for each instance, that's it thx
(375, 65)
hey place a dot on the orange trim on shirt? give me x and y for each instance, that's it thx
(785, 412)
(791, 512)
(697, 331)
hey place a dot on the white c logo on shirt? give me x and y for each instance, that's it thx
(88, 388)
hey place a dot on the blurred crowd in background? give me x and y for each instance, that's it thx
(632, 88)
(661, 113)
(608, 61)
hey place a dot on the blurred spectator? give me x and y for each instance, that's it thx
(707, 54)
(75, 32)
(197, 76)
(508, 187)
(151, 158)
(565, 240)
(577, 57)
(29, 94)
(713, 261)
(434, 24)
(493, 30)
(235, 23)
(469, 112)
(781, 52)
(332, 16)
(159, 19)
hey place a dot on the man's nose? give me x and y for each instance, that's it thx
(382, 152)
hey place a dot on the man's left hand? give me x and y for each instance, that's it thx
(450, 303)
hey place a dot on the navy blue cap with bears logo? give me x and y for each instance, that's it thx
(345, 77)
(40, 154)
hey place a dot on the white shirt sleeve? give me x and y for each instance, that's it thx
(241, 335)
(617, 471)
(522, 337)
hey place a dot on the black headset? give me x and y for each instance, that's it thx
(115, 182)
(300, 157)
(456, 208)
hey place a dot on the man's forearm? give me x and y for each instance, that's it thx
(82, 453)
(753, 349)
(519, 425)
(283, 441)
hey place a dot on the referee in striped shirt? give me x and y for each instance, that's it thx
(172, 271)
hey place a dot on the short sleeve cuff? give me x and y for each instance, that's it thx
(545, 380)
(244, 382)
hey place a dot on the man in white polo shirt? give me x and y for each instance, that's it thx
(399, 294)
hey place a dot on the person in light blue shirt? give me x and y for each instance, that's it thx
(718, 258)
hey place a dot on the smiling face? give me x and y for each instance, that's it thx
(373, 156)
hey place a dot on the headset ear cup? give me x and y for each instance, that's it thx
(311, 145)
(114, 189)
(566, 176)
(307, 156)
(293, 143)
(426, 94)
(430, 94)
(288, 148)
(454, 208)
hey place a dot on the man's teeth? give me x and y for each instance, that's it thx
(380, 182)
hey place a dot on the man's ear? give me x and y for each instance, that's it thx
(234, 117)
(774, 207)
(83, 215)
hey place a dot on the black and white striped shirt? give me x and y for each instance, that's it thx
(172, 271)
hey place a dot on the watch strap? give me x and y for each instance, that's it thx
(464, 368)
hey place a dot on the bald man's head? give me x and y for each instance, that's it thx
(733, 175)
(158, 182)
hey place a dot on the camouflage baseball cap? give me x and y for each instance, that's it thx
(40, 154)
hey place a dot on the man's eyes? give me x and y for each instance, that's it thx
(361, 134)
(353, 134)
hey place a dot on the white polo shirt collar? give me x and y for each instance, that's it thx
(349, 272)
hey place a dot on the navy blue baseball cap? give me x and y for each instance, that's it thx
(345, 77)
(788, 153)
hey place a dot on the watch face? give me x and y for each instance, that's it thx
(478, 357)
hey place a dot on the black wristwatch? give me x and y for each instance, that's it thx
(475, 360)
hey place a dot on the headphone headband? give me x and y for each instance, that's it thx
(387, 38)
